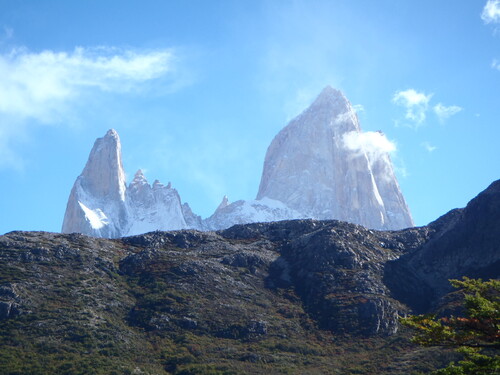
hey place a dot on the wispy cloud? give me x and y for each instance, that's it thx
(491, 12)
(495, 64)
(430, 148)
(416, 104)
(444, 112)
(358, 108)
(39, 85)
(375, 144)
(45, 87)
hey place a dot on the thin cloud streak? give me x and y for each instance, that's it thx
(39, 85)
(48, 87)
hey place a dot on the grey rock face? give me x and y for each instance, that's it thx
(96, 205)
(348, 279)
(251, 211)
(309, 168)
(466, 243)
(310, 171)
(156, 207)
(192, 220)
(101, 205)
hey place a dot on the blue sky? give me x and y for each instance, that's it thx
(198, 89)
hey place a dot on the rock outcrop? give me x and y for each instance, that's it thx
(101, 205)
(96, 205)
(466, 243)
(150, 208)
(311, 168)
(316, 167)
(288, 295)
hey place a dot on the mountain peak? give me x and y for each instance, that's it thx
(112, 133)
(309, 169)
(329, 95)
(104, 175)
(331, 92)
(96, 204)
(223, 204)
(139, 178)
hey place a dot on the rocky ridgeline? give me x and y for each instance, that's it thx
(349, 278)
(319, 166)
(251, 283)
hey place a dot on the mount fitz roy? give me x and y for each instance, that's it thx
(312, 169)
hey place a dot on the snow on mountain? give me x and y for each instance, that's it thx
(193, 221)
(150, 208)
(252, 211)
(96, 205)
(101, 205)
(312, 168)
(319, 166)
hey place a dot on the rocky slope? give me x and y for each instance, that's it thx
(319, 167)
(300, 296)
(467, 243)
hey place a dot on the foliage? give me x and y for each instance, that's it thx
(82, 308)
(476, 334)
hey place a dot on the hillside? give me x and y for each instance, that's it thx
(290, 297)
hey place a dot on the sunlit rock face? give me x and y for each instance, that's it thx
(101, 205)
(250, 211)
(312, 168)
(151, 208)
(320, 166)
(96, 205)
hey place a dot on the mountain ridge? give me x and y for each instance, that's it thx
(300, 296)
(316, 167)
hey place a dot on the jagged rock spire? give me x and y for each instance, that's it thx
(103, 174)
(310, 171)
(96, 205)
(101, 205)
(224, 203)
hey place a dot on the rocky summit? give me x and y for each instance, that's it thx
(320, 166)
(290, 297)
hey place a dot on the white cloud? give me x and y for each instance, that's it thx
(41, 88)
(375, 144)
(40, 85)
(444, 112)
(415, 103)
(491, 12)
(358, 108)
(430, 148)
(495, 64)
(343, 117)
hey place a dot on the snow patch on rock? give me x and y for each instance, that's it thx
(319, 166)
